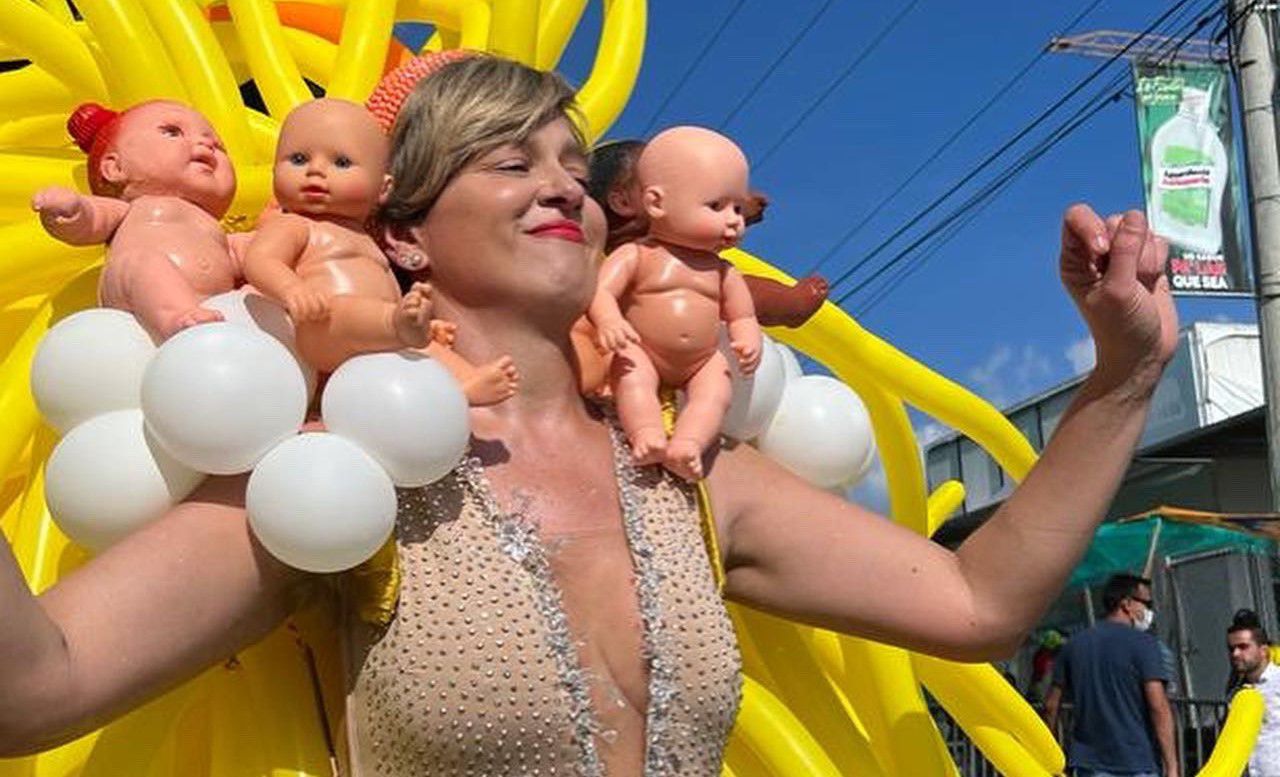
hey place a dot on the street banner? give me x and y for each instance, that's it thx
(1191, 175)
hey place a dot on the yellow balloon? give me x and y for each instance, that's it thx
(1235, 742)
(40, 36)
(814, 703)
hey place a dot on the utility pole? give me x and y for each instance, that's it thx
(1255, 73)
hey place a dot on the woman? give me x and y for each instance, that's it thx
(557, 610)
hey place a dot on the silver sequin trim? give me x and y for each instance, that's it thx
(517, 536)
(663, 682)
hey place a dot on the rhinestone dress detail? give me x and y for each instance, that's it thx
(478, 672)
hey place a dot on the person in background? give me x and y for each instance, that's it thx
(1042, 661)
(1248, 649)
(1115, 676)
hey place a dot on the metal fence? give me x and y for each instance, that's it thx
(1198, 722)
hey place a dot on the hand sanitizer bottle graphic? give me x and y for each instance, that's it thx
(1188, 177)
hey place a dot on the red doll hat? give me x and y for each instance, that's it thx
(87, 121)
(394, 88)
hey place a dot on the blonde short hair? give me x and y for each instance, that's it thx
(463, 111)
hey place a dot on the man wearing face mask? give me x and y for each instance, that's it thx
(1115, 677)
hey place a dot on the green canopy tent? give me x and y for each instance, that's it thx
(1204, 566)
(1129, 545)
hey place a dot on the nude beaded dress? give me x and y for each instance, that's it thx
(478, 674)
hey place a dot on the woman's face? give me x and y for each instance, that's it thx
(508, 230)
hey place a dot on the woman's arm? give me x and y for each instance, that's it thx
(801, 552)
(166, 602)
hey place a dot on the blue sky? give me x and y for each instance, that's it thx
(987, 309)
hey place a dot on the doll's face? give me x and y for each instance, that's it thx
(331, 161)
(695, 186)
(167, 149)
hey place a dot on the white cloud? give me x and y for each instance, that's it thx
(873, 492)
(931, 431)
(1009, 374)
(1081, 355)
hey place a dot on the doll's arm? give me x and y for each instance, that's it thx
(617, 272)
(269, 265)
(78, 219)
(238, 249)
(740, 316)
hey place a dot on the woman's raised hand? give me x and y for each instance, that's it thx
(1114, 271)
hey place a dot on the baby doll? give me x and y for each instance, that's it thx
(613, 185)
(661, 299)
(161, 180)
(318, 260)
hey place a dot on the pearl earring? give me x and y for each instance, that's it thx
(411, 260)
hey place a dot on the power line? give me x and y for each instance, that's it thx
(848, 71)
(969, 209)
(795, 41)
(884, 201)
(706, 49)
(986, 192)
(1000, 182)
(993, 156)
(987, 196)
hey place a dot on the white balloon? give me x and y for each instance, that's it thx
(755, 398)
(219, 396)
(108, 477)
(404, 409)
(249, 307)
(90, 363)
(821, 432)
(790, 363)
(320, 503)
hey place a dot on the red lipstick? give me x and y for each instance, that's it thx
(562, 230)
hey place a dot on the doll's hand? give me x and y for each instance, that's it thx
(305, 304)
(57, 204)
(748, 353)
(443, 332)
(615, 336)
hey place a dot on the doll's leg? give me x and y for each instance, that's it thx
(635, 389)
(487, 384)
(709, 392)
(358, 324)
(161, 297)
(780, 305)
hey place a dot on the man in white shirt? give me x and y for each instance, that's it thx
(1248, 650)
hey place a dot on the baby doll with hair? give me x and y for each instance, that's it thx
(613, 184)
(661, 299)
(161, 180)
(318, 259)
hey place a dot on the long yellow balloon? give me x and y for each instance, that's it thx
(514, 33)
(31, 90)
(558, 19)
(39, 36)
(976, 696)
(138, 68)
(465, 24)
(776, 738)
(263, 44)
(200, 64)
(617, 65)
(1235, 742)
(362, 48)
